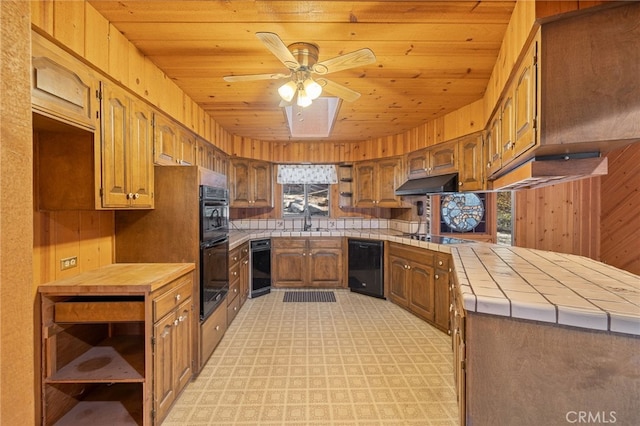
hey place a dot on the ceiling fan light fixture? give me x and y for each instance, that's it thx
(287, 91)
(312, 88)
(303, 98)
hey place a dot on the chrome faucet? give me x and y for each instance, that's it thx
(307, 219)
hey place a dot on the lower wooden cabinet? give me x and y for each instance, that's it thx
(116, 344)
(419, 283)
(211, 332)
(307, 262)
(172, 344)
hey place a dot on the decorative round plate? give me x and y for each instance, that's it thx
(462, 212)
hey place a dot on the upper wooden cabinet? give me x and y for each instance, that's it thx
(61, 86)
(211, 158)
(127, 166)
(436, 160)
(250, 183)
(471, 172)
(512, 129)
(173, 145)
(376, 182)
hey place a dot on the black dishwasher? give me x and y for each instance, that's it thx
(260, 279)
(366, 267)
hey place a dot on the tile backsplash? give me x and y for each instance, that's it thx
(290, 224)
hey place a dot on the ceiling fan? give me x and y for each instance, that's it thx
(302, 60)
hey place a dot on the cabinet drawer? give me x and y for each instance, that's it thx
(234, 290)
(212, 331)
(232, 310)
(234, 256)
(99, 311)
(297, 243)
(335, 243)
(178, 291)
(234, 273)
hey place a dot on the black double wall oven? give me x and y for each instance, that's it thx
(214, 248)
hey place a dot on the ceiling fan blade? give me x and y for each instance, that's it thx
(253, 77)
(338, 90)
(275, 44)
(348, 60)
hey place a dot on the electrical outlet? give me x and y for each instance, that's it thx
(68, 263)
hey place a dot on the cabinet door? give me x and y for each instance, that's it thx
(289, 268)
(365, 194)
(239, 184)
(421, 290)
(115, 135)
(525, 103)
(261, 185)
(165, 141)
(164, 378)
(493, 145)
(507, 130)
(443, 159)
(61, 86)
(187, 148)
(388, 179)
(183, 349)
(398, 291)
(206, 155)
(417, 164)
(471, 176)
(141, 156)
(325, 263)
(442, 301)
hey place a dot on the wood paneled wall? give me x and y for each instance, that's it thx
(17, 294)
(563, 218)
(620, 205)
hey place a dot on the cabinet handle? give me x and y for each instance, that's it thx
(235, 308)
(440, 262)
(217, 327)
(245, 262)
(175, 323)
(304, 254)
(450, 307)
(460, 183)
(235, 290)
(130, 196)
(437, 276)
(178, 297)
(235, 258)
(136, 196)
(181, 318)
(489, 165)
(235, 273)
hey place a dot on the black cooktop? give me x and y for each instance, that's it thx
(435, 238)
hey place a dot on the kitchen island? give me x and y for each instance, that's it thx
(534, 329)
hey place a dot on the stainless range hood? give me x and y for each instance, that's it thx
(429, 185)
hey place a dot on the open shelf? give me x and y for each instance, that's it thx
(118, 404)
(117, 359)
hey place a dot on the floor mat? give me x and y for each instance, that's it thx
(309, 296)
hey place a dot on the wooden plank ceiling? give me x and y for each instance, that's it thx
(433, 57)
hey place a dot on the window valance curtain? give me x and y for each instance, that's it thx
(307, 173)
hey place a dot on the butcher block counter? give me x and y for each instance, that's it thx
(116, 343)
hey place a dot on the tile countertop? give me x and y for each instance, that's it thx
(521, 283)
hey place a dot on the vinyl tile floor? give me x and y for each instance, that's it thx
(357, 361)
